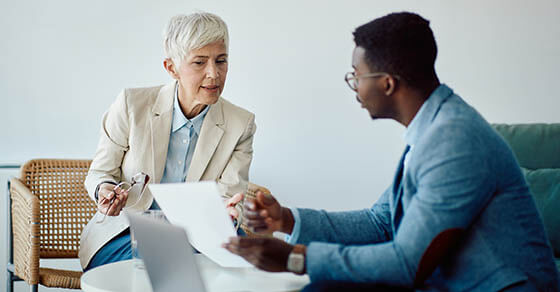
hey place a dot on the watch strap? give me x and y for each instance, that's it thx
(299, 248)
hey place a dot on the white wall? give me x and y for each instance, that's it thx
(63, 62)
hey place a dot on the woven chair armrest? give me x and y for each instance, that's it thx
(252, 190)
(25, 231)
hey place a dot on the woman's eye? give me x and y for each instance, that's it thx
(198, 62)
(221, 61)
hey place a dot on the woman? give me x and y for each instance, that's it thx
(182, 131)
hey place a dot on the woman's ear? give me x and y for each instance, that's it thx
(170, 68)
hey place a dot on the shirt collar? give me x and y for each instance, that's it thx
(426, 113)
(179, 119)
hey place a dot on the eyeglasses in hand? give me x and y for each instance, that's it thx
(140, 177)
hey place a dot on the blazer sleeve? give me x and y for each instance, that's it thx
(235, 176)
(374, 224)
(112, 146)
(453, 186)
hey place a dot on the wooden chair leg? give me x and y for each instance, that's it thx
(10, 276)
(9, 251)
(9, 282)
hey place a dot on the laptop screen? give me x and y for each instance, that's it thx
(167, 255)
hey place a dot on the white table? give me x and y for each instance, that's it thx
(123, 277)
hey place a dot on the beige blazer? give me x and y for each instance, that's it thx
(135, 136)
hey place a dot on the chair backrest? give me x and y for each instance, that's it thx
(65, 207)
(252, 190)
(534, 145)
(537, 148)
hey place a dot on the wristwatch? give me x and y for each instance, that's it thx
(296, 259)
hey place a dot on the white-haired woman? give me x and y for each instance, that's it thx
(182, 131)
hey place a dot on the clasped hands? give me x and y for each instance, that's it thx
(264, 215)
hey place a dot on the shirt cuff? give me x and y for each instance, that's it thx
(293, 238)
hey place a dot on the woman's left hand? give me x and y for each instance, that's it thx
(230, 205)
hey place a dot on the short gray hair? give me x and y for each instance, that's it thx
(185, 33)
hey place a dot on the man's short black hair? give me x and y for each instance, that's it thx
(401, 44)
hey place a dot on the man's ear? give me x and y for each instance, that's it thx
(170, 68)
(390, 85)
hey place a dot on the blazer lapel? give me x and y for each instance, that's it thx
(160, 124)
(211, 134)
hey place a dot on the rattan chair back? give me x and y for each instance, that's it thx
(65, 207)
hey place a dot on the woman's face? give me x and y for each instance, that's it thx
(202, 74)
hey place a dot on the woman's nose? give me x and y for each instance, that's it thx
(212, 71)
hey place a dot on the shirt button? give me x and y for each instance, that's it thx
(179, 161)
(184, 141)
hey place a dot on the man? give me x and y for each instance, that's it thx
(458, 215)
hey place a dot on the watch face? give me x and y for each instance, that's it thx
(296, 262)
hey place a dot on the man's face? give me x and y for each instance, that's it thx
(370, 90)
(202, 74)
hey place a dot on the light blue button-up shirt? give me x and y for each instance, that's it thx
(411, 133)
(182, 142)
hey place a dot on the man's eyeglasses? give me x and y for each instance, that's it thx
(352, 80)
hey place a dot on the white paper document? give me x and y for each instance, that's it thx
(198, 207)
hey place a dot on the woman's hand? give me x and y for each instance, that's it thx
(108, 192)
(231, 203)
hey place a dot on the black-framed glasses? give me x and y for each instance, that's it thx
(352, 80)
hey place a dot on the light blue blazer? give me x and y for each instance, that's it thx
(460, 178)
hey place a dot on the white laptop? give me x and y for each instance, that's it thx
(167, 254)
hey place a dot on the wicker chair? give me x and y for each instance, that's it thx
(49, 208)
(251, 192)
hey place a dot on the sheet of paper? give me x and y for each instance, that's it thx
(199, 208)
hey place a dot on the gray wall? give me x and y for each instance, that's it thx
(63, 62)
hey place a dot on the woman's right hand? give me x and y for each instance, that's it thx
(105, 193)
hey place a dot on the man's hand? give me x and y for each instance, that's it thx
(106, 193)
(230, 205)
(265, 215)
(268, 254)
